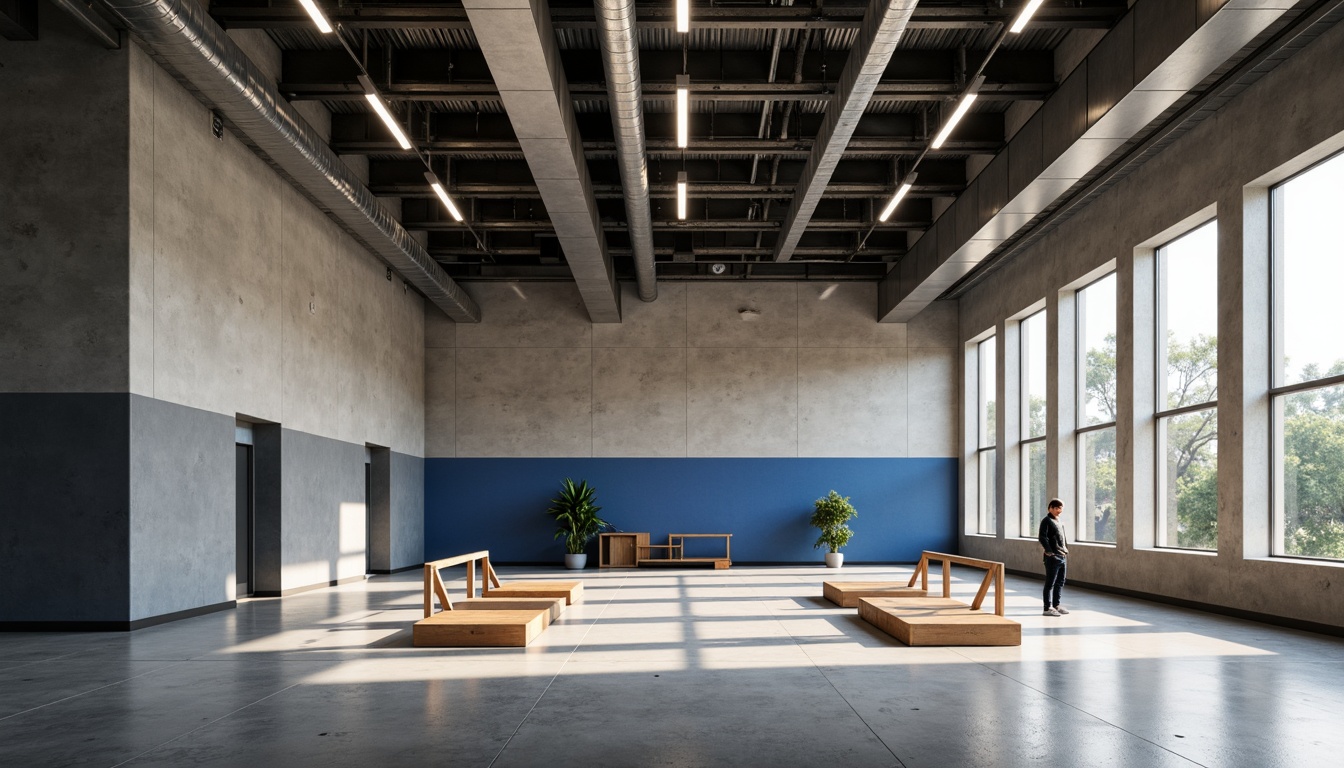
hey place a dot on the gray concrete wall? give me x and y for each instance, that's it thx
(322, 511)
(810, 374)
(182, 513)
(63, 518)
(63, 207)
(407, 519)
(1279, 125)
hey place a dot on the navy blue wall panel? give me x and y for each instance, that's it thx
(905, 505)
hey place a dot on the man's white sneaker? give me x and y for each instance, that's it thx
(1050, 612)
(1060, 610)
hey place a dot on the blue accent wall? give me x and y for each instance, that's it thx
(904, 505)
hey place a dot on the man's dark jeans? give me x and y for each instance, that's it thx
(1055, 567)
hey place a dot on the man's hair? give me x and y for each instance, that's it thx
(1055, 503)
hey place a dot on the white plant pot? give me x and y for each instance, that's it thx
(576, 562)
(835, 559)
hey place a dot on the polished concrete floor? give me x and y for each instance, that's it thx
(747, 667)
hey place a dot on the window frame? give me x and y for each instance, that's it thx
(1081, 430)
(1027, 441)
(986, 437)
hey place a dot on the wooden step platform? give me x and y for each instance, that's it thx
(937, 621)
(454, 629)
(553, 606)
(572, 591)
(846, 594)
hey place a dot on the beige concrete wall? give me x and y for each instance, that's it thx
(1279, 124)
(810, 374)
(246, 299)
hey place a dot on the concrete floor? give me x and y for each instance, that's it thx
(748, 667)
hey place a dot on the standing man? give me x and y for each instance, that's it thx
(1055, 544)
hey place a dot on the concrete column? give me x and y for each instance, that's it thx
(1062, 394)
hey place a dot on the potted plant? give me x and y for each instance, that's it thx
(576, 520)
(830, 517)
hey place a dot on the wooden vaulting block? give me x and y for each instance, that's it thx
(847, 594)
(938, 621)
(571, 591)
(493, 628)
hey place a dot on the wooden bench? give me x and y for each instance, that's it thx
(846, 594)
(944, 621)
(513, 620)
(674, 551)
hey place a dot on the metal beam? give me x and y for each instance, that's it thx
(18, 19)
(795, 148)
(883, 26)
(666, 191)
(520, 48)
(668, 225)
(1094, 14)
(83, 12)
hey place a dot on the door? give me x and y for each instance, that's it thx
(246, 522)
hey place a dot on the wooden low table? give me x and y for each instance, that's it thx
(938, 621)
(675, 551)
(846, 594)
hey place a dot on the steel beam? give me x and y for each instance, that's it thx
(18, 19)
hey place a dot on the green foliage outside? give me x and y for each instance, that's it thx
(1313, 455)
(575, 514)
(830, 517)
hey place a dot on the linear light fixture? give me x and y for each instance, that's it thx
(683, 110)
(684, 15)
(681, 195)
(319, 18)
(967, 99)
(1020, 22)
(442, 193)
(896, 198)
(376, 102)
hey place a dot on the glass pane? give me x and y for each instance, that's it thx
(1033, 487)
(1096, 508)
(1311, 473)
(1033, 376)
(1189, 340)
(1096, 339)
(1189, 502)
(1311, 271)
(988, 498)
(988, 353)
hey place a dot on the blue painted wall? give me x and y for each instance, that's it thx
(905, 505)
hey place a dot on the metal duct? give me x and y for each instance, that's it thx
(883, 25)
(187, 41)
(620, 61)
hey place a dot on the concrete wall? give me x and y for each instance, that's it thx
(1285, 121)
(690, 413)
(813, 374)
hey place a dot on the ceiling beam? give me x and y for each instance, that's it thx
(524, 59)
(796, 148)
(1094, 14)
(882, 30)
(18, 19)
(667, 225)
(665, 191)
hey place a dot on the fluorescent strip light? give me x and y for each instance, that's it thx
(967, 100)
(376, 102)
(681, 196)
(319, 19)
(1020, 22)
(896, 198)
(683, 15)
(683, 110)
(443, 195)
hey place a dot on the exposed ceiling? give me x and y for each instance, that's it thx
(762, 76)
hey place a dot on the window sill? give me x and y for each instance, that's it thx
(978, 535)
(1290, 560)
(1177, 551)
(1093, 544)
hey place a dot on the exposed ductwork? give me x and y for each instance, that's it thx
(620, 61)
(187, 41)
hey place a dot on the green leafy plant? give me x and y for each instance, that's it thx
(830, 517)
(575, 514)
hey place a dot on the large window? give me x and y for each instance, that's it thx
(1308, 420)
(1187, 391)
(986, 460)
(1096, 410)
(1033, 423)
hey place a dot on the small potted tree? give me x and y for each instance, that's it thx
(576, 520)
(831, 516)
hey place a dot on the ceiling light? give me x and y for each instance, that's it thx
(684, 15)
(319, 19)
(442, 193)
(967, 99)
(896, 198)
(1020, 22)
(681, 196)
(683, 109)
(376, 102)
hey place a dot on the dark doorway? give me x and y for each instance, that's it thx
(246, 524)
